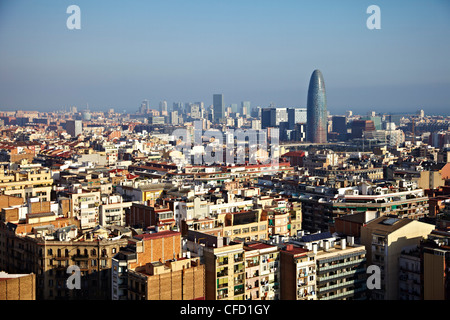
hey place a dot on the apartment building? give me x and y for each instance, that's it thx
(410, 275)
(140, 250)
(246, 225)
(295, 218)
(48, 252)
(435, 254)
(262, 270)
(202, 214)
(144, 215)
(385, 238)
(177, 279)
(322, 205)
(341, 271)
(17, 286)
(85, 207)
(113, 214)
(141, 191)
(297, 273)
(225, 270)
(33, 183)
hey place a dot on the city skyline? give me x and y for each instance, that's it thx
(260, 52)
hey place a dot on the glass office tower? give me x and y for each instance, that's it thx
(316, 109)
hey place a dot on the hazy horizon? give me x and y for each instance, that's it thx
(257, 51)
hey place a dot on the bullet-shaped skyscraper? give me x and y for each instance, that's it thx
(316, 109)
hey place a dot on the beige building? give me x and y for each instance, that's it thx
(341, 271)
(262, 269)
(298, 273)
(384, 239)
(436, 266)
(85, 207)
(113, 213)
(247, 225)
(17, 286)
(49, 260)
(177, 279)
(225, 270)
(32, 183)
(430, 179)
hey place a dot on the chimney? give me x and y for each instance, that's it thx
(314, 248)
(350, 240)
(289, 247)
(326, 245)
(343, 244)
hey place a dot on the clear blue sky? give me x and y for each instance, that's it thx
(256, 50)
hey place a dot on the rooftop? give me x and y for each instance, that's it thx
(157, 235)
(387, 224)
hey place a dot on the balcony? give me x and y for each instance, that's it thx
(339, 286)
(222, 262)
(251, 264)
(301, 294)
(341, 265)
(344, 294)
(80, 257)
(239, 290)
(223, 273)
(342, 274)
(222, 285)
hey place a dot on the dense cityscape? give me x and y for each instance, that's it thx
(222, 200)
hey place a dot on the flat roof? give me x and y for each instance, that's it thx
(294, 250)
(379, 225)
(157, 235)
(257, 246)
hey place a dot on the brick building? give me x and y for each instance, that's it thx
(17, 286)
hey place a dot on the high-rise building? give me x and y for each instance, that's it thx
(339, 124)
(174, 118)
(359, 126)
(163, 106)
(385, 238)
(74, 127)
(317, 109)
(296, 115)
(272, 117)
(145, 107)
(219, 107)
(245, 108)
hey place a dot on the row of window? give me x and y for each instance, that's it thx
(85, 252)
